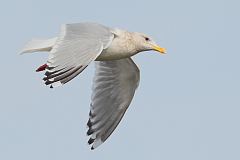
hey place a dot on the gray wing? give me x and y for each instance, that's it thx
(77, 45)
(114, 86)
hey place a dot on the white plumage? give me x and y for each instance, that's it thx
(38, 45)
(116, 77)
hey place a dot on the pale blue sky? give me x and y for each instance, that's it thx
(187, 105)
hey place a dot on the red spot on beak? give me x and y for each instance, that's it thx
(42, 68)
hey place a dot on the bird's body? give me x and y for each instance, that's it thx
(121, 47)
(116, 76)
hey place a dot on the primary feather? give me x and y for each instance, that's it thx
(114, 86)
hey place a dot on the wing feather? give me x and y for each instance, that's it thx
(114, 86)
(77, 45)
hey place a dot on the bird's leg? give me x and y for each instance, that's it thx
(41, 68)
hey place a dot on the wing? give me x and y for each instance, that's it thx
(77, 45)
(114, 86)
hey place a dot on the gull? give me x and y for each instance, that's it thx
(116, 75)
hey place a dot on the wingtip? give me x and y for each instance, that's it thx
(89, 132)
(90, 141)
(97, 142)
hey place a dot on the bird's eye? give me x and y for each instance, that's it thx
(147, 39)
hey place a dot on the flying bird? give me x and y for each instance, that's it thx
(116, 75)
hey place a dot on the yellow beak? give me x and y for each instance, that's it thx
(160, 49)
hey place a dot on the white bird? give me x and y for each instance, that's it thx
(116, 76)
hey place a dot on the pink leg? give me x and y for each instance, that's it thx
(41, 68)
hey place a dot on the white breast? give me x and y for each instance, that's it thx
(122, 46)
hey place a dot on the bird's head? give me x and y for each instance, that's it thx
(145, 43)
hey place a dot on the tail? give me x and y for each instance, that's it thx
(37, 45)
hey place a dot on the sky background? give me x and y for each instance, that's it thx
(187, 105)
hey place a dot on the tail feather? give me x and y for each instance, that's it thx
(37, 45)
